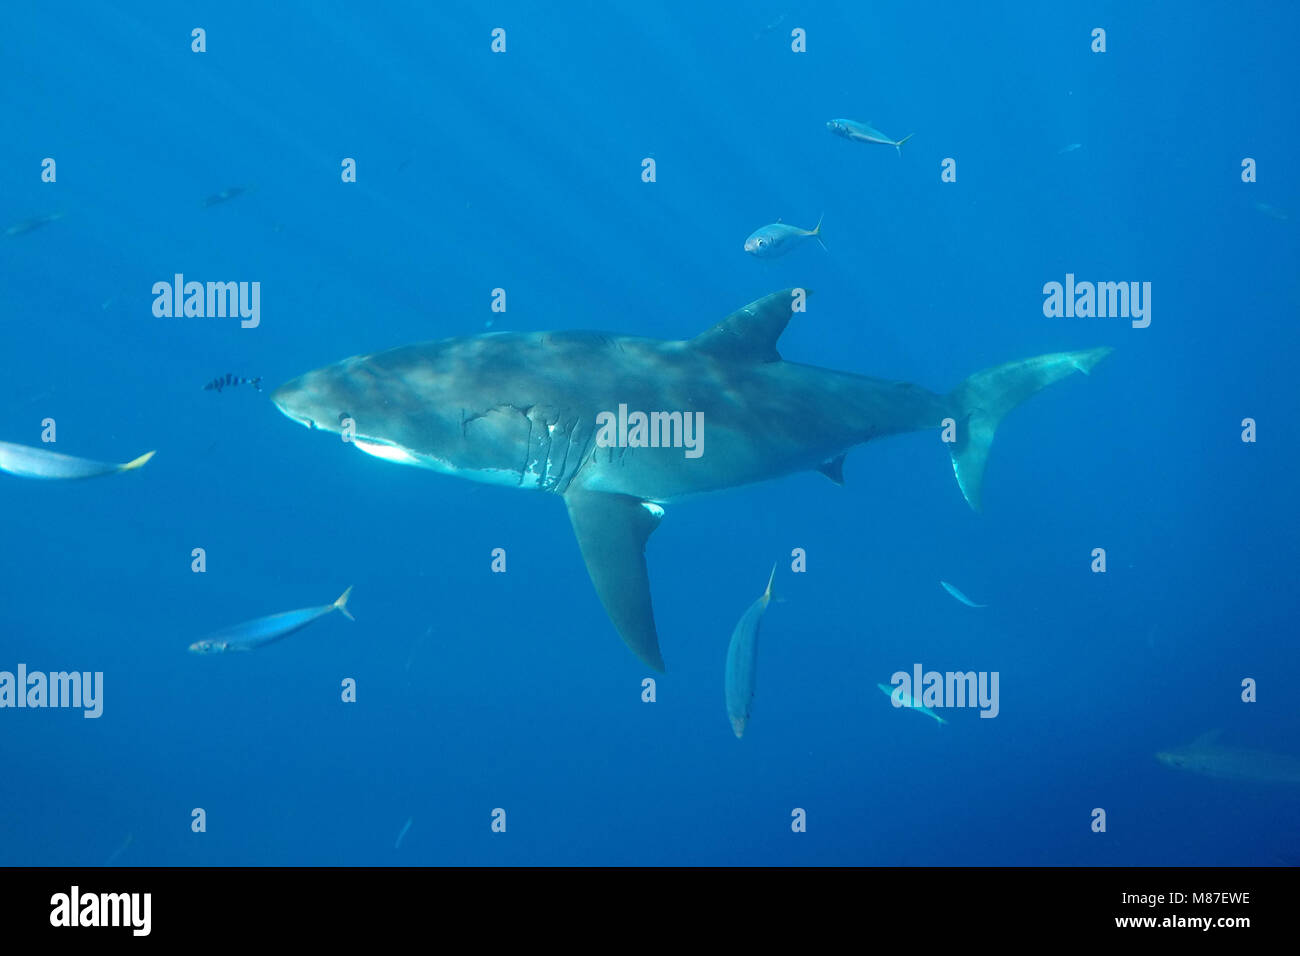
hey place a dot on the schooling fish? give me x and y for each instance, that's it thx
(742, 660)
(959, 596)
(228, 380)
(27, 462)
(903, 699)
(777, 239)
(265, 630)
(31, 225)
(865, 133)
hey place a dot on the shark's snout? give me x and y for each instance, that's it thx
(289, 399)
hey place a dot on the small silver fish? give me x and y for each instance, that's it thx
(770, 27)
(224, 196)
(742, 660)
(777, 239)
(959, 596)
(1070, 148)
(265, 630)
(865, 133)
(121, 849)
(902, 699)
(1272, 212)
(27, 462)
(31, 225)
(405, 827)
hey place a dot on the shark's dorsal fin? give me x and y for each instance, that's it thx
(612, 531)
(750, 334)
(833, 469)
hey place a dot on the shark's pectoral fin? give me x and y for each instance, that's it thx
(612, 531)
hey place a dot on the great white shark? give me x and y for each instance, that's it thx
(521, 409)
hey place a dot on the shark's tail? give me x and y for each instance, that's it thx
(899, 145)
(817, 231)
(983, 400)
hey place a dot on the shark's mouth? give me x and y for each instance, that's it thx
(387, 451)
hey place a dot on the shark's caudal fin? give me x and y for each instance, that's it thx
(612, 531)
(983, 400)
(899, 145)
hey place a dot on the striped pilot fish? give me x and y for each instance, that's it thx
(228, 380)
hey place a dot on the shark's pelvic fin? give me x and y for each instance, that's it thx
(612, 531)
(750, 334)
(833, 469)
(981, 402)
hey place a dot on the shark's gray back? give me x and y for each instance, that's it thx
(528, 403)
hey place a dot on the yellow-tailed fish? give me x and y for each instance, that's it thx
(903, 699)
(742, 660)
(28, 462)
(959, 596)
(865, 133)
(266, 630)
(778, 238)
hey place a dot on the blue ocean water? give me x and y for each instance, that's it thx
(522, 170)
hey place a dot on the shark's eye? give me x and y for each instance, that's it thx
(761, 243)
